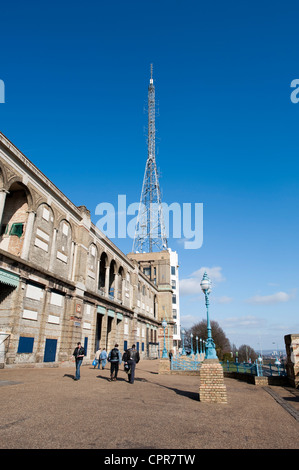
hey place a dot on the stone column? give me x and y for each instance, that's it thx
(116, 284)
(71, 260)
(3, 193)
(103, 339)
(43, 318)
(28, 235)
(123, 290)
(107, 277)
(53, 250)
(212, 388)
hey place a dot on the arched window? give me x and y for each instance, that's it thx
(14, 218)
(102, 272)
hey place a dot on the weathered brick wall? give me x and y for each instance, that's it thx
(292, 365)
(92, 268)
(42, 236)
(211, 378)
(61, 255)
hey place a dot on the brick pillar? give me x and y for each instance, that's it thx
(212, 388)
(164, 366)
(292, 365)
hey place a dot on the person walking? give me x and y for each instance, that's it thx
(97, 358)
(79, 353)
(103, 358)
(132, 359)
(114, 357)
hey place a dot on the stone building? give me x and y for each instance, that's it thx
(162, 269)
(62, 280)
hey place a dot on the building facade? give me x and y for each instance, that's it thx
(162, 269)
(63, 281)
(175, 285)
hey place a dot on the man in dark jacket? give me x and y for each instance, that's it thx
(114, 357)
(79, 353)
(132, 359)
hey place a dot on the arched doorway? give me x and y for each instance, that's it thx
(112, 273)
(102, 272)
(14, 219)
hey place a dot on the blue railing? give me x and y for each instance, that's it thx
(266, 370)
(189, 363)
(241, 367)
(272, 369)
(185, 363)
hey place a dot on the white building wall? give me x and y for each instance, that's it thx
(174, 277)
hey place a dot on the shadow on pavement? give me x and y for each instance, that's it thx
(70, 376)
(183, 393)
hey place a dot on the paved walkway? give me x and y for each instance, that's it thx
(45, 408)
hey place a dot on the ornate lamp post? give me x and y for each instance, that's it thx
(210, 345)
(259, 363)
(278, 364)
(212, 387)
(196, 338)
(164, 353)
(183, 338)
(191, 336)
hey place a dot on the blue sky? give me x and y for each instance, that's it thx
(76, 77)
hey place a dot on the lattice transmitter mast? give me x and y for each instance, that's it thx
(150, 232)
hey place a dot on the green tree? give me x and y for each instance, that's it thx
(222, 343)
(245, 353)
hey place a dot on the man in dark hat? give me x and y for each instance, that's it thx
(114, 357)
(132, 359)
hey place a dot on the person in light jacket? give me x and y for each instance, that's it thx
(103, 358)
(97, 358)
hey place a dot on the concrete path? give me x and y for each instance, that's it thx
(44, 408)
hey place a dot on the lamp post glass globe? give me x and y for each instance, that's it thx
(205, 284)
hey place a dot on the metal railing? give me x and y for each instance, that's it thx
(266, 370)
(271, 369)
(185, 363)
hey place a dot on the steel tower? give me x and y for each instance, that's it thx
(150, 232)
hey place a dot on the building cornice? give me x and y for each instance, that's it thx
(30, 167)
